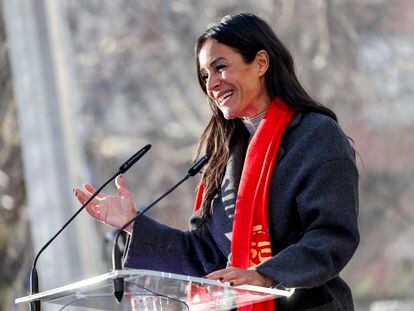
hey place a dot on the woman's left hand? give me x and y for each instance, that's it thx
(238, 276)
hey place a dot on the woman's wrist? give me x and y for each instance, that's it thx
(267, 281)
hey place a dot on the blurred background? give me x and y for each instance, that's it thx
(85, 84)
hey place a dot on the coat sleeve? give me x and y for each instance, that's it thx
(155, 246)
(327, 207)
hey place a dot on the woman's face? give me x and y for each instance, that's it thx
(237, 88)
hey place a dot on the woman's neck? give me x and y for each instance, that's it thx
(252, 124)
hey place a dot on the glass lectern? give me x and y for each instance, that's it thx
(153, 291)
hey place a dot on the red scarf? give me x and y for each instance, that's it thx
(250, 243)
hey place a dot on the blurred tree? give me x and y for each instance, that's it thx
(15, 243)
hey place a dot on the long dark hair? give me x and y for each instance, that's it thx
(247, 34)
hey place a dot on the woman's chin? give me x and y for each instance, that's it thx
(228, 114)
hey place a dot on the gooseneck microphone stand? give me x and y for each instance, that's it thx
(118, 283)
(34, 279)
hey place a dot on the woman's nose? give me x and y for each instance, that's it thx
(212, 83)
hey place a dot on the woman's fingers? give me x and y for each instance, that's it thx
(217, 275)
(237, 276)
(81, 196)
(121, 186)
(91, 208)
(225, 275)
(91, 190)
(239, 281)
(88, 188)
(94, 208)
(113, 210)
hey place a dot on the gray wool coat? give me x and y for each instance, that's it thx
(312, 212)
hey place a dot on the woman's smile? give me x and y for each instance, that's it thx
(223, 97)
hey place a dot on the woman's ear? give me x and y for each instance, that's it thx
(262, 60)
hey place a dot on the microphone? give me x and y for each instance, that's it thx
(132, 160)
(34, 280)
(116, 252)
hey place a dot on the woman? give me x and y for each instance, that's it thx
(278, 201)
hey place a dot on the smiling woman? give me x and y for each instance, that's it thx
(237, 88)
(277, 203)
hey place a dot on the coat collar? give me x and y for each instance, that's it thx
(297, 117)
(238, 151)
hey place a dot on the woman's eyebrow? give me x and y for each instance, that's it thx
(213, 62)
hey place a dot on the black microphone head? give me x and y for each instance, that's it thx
(198, 165)
(132, 160)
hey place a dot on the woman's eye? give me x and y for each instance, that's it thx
(204, 77)
(220, 68)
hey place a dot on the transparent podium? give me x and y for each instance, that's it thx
(153, 290)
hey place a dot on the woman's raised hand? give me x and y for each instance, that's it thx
(113, 210)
